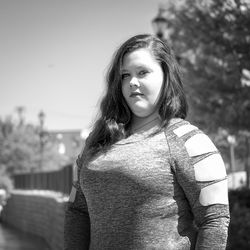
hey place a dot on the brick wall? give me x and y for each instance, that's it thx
(37, 212)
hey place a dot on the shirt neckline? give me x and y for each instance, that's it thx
(141, 135)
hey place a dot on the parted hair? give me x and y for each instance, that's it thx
(115, 115)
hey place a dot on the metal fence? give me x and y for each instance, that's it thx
(60, 181)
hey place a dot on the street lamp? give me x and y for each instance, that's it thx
(41, 117)
(232, 142)
(160, 23)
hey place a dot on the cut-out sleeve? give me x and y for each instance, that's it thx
(201, 173)
(77, 223)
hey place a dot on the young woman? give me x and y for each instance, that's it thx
(147, 179)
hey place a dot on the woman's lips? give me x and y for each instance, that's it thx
(135, 94)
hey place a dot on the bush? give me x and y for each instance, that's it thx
(5, 181)
(238, 236)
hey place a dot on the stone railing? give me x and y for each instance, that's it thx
(38, 212)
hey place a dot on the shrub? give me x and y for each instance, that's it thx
(238, 236)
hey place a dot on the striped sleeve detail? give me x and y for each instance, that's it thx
(199, 144)
(215, 193)
(180, 131)
(208, 166)
(200, 172)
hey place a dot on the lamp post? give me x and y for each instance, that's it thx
(41, 117)
(232, 142)
(160, 23)
(20, 112)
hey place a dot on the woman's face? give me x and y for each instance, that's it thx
(142, 80)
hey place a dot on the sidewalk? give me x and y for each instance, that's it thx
(12, 239)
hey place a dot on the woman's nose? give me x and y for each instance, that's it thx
(134, 82)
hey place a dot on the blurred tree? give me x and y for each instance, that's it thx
(20, 149)
(212, 39)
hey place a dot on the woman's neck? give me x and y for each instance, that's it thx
(140, 124)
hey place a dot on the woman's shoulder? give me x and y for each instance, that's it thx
(179, 126)
(183, 134)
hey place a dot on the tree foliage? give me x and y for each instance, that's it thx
(5, 181)
(212, 38)
(20, 149)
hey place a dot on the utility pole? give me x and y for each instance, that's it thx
(246, 135)
(247, 165)
(232, 142)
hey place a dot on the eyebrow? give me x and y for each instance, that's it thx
(137, 67)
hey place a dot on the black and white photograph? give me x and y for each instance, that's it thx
(124, 125)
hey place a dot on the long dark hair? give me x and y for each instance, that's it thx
(115, 115)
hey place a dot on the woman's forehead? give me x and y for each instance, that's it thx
(139, 58)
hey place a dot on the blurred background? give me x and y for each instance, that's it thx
(53, 58)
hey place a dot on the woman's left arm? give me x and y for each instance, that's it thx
(201, 173)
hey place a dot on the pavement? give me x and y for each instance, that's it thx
(13, 239)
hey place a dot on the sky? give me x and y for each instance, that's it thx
(54, 55)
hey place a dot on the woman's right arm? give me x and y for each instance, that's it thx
(77, 223)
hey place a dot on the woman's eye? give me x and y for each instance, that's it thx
(143, 72)
(125, 75)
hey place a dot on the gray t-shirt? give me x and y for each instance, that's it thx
(167, 191)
